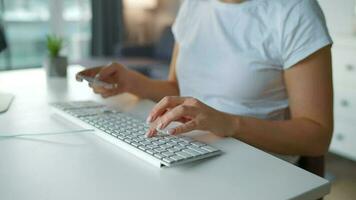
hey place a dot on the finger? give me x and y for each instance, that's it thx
(182, 113)
(175, 114)
(184, 128)
(78, 77)
(184, 119)
(99, 89)
(112, 93)
(88, 72)
(96, 91)
(106, 95)
(163, 105)
(152, 131)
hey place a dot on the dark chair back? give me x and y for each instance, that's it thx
(164, 47)
(315, 165)
(3, 43)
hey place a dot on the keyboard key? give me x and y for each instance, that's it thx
(183, 144)
(142, 148)
(209, 148)
(174, 149)
(158, 155)
(167, 153)
(186, 139)
(176, 157)
(145, 143)
(152, 139)
(152, 146)
(168, 160)
(183, 154)
(200, 150)
(172, 143)
(135, 144)
(131, 136)
(150, 151)
(147, 139)
(158, 142)
(121, 137)
(138, 133)
(166, 146)
(178, 147)
(198, 144)
(159, 150)
(191, 152)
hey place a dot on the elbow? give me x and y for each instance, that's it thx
(319, 150)
(320, 146)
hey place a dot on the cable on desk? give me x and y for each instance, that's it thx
(85, 131)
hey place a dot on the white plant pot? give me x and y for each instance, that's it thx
(56, 66)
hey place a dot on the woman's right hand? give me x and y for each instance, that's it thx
(113, 73)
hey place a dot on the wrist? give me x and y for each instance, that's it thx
(233, 124)
(137, 84)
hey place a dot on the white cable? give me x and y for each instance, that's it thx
(46, 134)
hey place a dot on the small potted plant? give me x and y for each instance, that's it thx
(55, 64)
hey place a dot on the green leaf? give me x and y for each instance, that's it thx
(54, 45)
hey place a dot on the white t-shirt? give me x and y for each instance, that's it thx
(233, 56)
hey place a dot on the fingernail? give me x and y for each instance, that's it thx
(159, 127)
(149, 119)
(148, 134)
(171, 131)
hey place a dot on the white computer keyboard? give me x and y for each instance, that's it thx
(128, 133)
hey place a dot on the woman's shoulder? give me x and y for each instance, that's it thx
(291, 13)
(193, 2)
(290, 3)
(288, 6)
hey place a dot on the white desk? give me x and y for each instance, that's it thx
(82, 166)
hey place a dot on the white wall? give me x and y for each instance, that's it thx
(340, 16)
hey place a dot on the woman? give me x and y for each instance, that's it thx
(257, 70)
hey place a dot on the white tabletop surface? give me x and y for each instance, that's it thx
(82, 166)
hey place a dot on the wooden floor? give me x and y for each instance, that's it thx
(342, 173)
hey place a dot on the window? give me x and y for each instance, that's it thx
(27, 22)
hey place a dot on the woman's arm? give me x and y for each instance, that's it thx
(308, 132)
(157, 89)
(309, 86)
(127, 80)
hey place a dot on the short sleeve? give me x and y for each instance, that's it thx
(304, 31)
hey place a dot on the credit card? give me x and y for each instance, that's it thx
(95, 81)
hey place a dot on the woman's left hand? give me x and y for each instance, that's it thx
(194, 115)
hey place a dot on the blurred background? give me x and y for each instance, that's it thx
(91, 29)
(27, 22)
(137, 33)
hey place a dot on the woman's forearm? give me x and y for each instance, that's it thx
(293, 137)
(155, 90)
